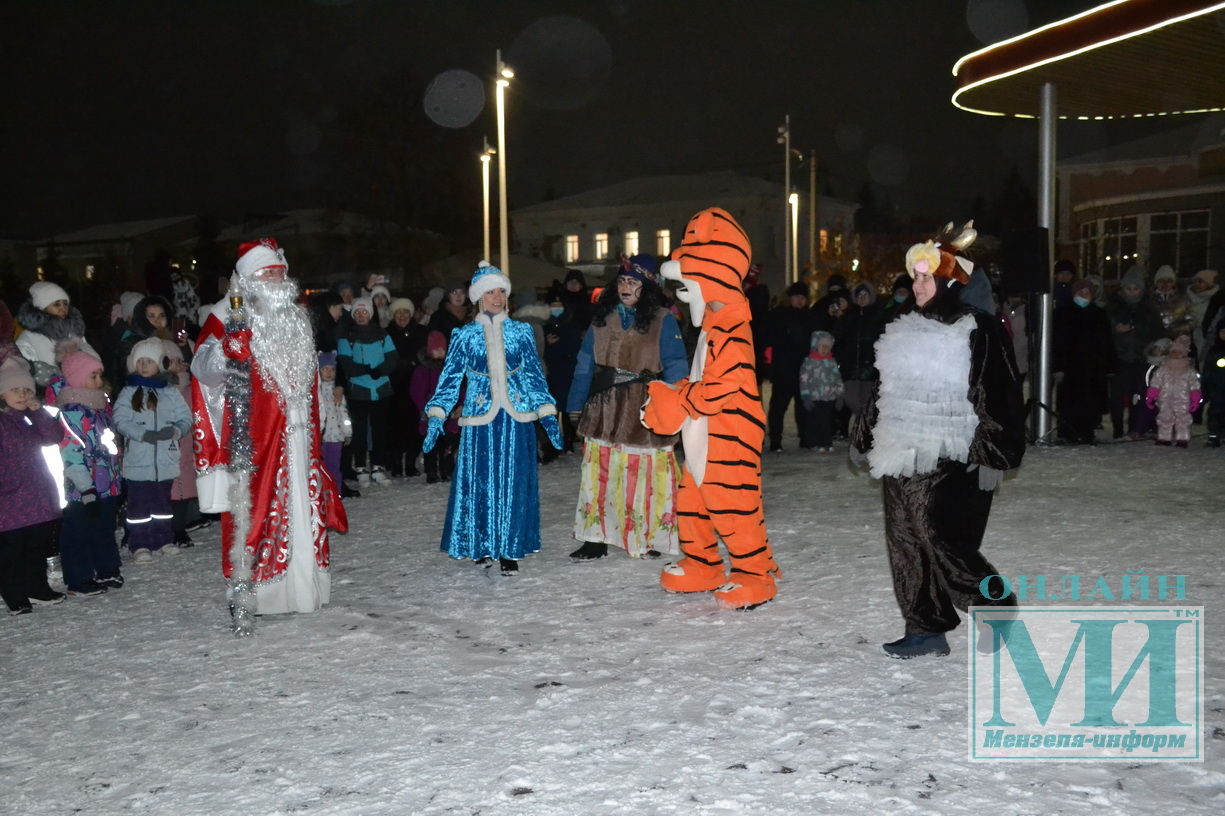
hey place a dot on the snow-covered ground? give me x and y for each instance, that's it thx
(435, 686)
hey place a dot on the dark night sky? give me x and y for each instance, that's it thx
(125, 110)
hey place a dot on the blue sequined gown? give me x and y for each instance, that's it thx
(494, 509)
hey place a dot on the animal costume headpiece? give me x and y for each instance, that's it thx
(942, 255)
(711, 262)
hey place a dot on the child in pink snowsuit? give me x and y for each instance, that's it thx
(1175, 388)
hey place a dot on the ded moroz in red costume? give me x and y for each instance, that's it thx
(292, 500)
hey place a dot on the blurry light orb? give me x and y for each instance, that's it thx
(993, 20)
(454, 98)
(561, 63)
(888, 165)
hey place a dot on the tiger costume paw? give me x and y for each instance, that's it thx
(662, 412)
(689, 575)
(746, 591)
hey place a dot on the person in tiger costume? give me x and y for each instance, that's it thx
(718, 413)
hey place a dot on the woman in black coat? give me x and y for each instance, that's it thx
(1083, 360)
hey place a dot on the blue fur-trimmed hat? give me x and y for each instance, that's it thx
(486, 279)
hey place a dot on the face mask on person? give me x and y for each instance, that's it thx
(901, 298)
(557, 311)
(1080, 301)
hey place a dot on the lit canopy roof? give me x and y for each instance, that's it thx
(1124, 59)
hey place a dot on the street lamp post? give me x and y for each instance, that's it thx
(505, 74)
(784, 138)
(489, 151)
(793, 201)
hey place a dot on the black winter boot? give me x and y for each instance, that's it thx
(590, 551)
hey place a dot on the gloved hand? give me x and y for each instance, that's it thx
(432, 433)
(1197, 397)
(988, 477)
(237, 346)
(89, 500)
(553, 428)
(160, 435)
(1150, 397)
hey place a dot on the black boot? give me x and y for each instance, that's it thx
(509, 566)
(590, 551)
(918, 646)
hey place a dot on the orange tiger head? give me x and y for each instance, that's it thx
(711, 262)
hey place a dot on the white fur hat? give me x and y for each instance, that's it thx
(401, 303)
(128, 301)
(44, 293)
(486, 279)
(148, 349)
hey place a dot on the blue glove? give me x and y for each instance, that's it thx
(553, 428)
(432, 433)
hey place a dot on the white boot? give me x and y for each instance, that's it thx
(379, 474)
(363, 477)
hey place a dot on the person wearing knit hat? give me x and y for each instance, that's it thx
(577, 299)
(939, 448)
(1199, 294)
(1134, 323)
(92, 480)
(494, 507)
(29, 495)
(1175, 386)
(279, 501)
(368, 357)
(380, 299)
(153, 416)
(1170, 302)
(1083, 359)
(403, 439)
(52, 327)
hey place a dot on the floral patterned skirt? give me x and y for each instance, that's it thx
(627, 498)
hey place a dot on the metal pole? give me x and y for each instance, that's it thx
(1046, 218)
(503, 220)
(794, 200)
(814, 205)
(785, 138)
(485, 197)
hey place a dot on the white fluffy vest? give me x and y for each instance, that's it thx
(924, 412)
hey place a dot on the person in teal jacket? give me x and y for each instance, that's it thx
(494, 508)
(367, 358)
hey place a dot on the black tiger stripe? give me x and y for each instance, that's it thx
(703, 560)
(748, 416)
(728, 244)
(693, 513)
(729, 486)
(750, 394)
(757, 551)
(730, 223)
(731, 512)
(732, 462)
(712, 278)
(738, 441)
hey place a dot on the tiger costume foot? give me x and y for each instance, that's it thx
(688, 575)
(746, 591)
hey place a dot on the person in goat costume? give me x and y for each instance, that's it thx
(944, 423)
(722, 425)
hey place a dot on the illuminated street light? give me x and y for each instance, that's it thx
(489, 151)
(793, 203)
(505, 74)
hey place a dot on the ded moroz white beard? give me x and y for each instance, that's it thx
(281, 338)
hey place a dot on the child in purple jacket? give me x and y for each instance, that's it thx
(440, 461)
(29, 499)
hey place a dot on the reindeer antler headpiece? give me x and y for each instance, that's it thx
(942, 254)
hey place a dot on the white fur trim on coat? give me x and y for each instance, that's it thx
(495, 361)
(925, 413)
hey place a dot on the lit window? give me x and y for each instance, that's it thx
(631, 242)
(571, 248)
(89, 272)
(601, 245)
(663, 242)
(824, 245)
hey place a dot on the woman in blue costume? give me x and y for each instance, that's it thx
(494, 510)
